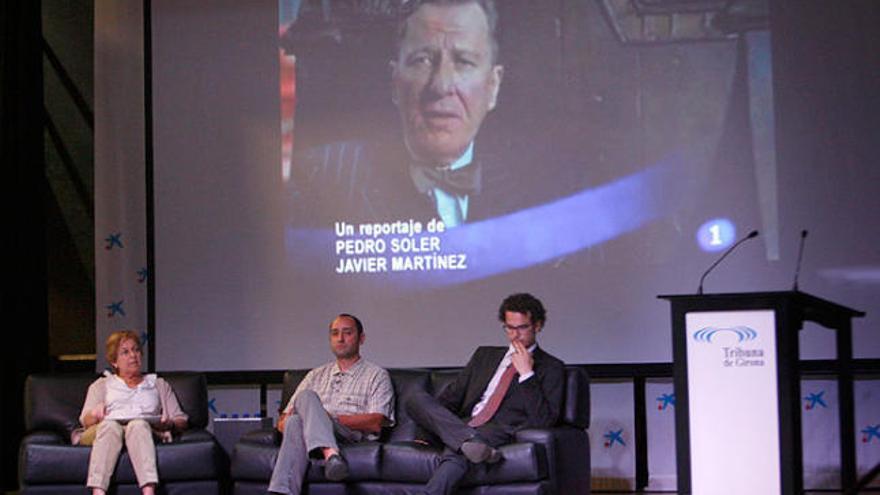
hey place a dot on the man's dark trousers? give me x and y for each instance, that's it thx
(533, 403)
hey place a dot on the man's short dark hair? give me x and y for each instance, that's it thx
(526, 304)
(409, 7)
(357, 322)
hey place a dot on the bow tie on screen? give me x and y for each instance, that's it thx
(462, 181)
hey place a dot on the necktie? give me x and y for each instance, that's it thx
(495, 399)
(462, 181)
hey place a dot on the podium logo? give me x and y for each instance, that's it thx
(742, 333)
(736, 354)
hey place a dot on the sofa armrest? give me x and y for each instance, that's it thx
(46, 457)
(253, 461)
(44, 437)
(193, 435)
(568, 456)
(263, 436)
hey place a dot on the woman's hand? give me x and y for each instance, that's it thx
(97, 414)
(164, 424)
(282, 421)
(167, 424)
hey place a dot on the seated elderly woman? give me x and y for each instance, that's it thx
(127, 407)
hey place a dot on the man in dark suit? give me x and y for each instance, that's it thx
(370, 182)
(499, 392)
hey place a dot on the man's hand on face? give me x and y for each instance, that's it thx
(521, 359)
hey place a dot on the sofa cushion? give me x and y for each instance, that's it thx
(408, 461)
(363, 463)
(405, 382)
(441, 379)
(263, 436)
(193, 457)
(56, 462)
(191, 389)
(520, 462)
(181, 488)
(53, 402)
(254, 461)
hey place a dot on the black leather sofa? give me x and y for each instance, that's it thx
(541, 461)
(49, 464)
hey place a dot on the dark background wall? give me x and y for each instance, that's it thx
(68, 93)
(48, 218)
(23, 302)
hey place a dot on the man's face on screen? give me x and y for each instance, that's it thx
(444, 80)
(345, 341)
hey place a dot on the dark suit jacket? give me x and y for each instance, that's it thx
(534, 403)
(359, 182)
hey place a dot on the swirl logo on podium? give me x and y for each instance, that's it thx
(733, 344)
(742, 333)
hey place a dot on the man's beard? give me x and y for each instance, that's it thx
(345, 354)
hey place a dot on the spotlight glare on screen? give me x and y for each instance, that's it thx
(716, 234)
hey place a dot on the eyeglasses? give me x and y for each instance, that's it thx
(516, 328)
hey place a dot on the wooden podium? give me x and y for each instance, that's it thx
(736, 360)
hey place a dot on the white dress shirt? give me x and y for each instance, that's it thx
(453, 208)
(496, 378)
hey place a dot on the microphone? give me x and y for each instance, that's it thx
(797, 267)
(751, 235)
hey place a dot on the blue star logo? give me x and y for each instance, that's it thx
(665, 401)
(871, 432)
(142, 274)
(114, 309)
(145, 337)
(113, 240)
(212, 405)
(814, 400)
(614, 436)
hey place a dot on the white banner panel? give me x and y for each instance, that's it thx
(660, 408)
(121, 273)
(612, 437)
(733, 409)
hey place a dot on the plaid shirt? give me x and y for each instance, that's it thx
(364, 388)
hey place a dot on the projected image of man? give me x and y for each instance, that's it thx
(445, 81)
(501, 390)
(344, 401)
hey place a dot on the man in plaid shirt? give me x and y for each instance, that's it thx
(346, 400)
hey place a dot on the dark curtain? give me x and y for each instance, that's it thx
(24, 188)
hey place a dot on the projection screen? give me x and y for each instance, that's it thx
(615, 163)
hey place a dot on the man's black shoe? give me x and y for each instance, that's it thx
(335, 468)
(478, 452)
